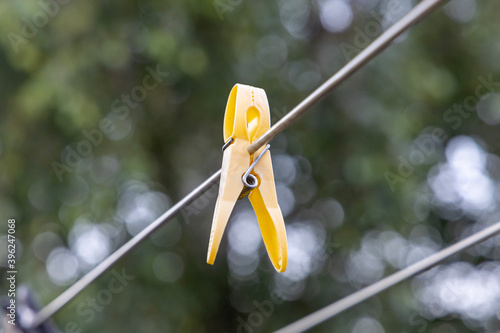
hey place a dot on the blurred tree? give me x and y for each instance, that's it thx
(113, 110)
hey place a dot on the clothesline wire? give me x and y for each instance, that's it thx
(359, 296)
(378, 45)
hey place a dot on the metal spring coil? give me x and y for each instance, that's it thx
(249, 184)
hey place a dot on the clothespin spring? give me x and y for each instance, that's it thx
(249, 181)
(227, 143)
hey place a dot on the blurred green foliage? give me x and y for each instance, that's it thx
(66, 70)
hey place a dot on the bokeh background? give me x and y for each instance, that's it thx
(396, 163)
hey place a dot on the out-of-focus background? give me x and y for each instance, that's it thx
(111, 111)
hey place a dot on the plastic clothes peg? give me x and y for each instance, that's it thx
(247, 117)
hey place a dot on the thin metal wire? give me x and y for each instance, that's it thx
(245, 175)
(227, 143)
(417, 13)
(250, 182)
(379, 44)
(347, 302)
(54, 306)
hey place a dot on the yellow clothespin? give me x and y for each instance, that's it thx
(247, 117)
